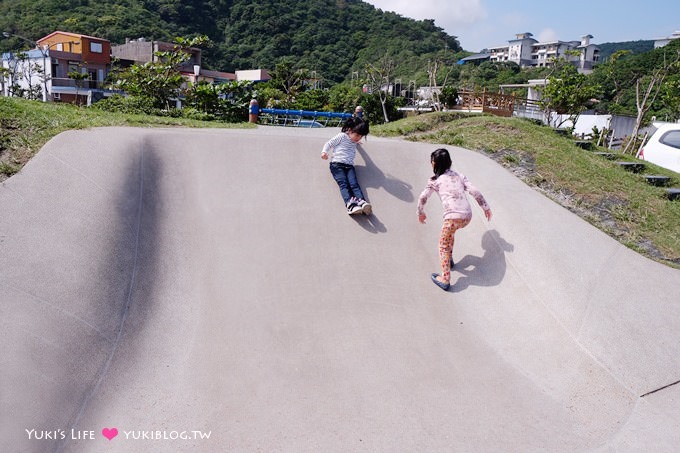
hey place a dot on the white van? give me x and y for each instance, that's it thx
(663, 147)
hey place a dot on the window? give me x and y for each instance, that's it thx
(96, 47)
(671, 138)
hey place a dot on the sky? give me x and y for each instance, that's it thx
(480, 24)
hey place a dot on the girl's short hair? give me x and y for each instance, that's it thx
(356, 125)
(442, 162)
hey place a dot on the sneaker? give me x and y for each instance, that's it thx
(365, 206)
(353, 208)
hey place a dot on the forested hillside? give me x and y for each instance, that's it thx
(333, 38)
(607, 49)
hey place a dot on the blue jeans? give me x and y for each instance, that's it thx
(346, 177)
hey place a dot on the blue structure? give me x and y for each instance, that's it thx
(301, 118)
(476, 58)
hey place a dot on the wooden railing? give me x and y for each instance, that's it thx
(495, 103)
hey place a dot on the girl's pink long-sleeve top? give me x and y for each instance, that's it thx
(451, 187)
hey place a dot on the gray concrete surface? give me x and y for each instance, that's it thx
(170, 282)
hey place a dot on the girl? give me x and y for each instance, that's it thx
(344, 147)
(451, 187)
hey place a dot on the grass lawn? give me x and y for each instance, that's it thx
(25, 126)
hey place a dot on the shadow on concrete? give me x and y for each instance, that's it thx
(130, 259)
(487, 270)
(370, 223)
(371, 176)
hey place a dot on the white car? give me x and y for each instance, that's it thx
(663, 147)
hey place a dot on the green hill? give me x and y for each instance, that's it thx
(333, 38)
(640, 46)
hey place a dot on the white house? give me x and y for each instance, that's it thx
(254, 75)
(25, 73)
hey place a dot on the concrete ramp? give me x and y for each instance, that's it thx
(205, 290)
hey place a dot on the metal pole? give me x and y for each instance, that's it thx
(44, 54)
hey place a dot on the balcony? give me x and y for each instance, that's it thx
(80, 84)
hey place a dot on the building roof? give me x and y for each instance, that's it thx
(475, 57)
(75, 35)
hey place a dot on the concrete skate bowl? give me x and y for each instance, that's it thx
(175, 284)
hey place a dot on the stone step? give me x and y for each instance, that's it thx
(585, 144)
(635, 167)
(673, 193)
(657, 180)
(606, 155)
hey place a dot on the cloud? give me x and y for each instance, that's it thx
(446, 13)
(468, 20)
(547, 35)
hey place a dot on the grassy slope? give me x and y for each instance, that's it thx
(620, 203)
(25, 126)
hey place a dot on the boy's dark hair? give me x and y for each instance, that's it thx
(442, 162)
(356, 125)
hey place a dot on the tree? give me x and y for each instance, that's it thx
(326, 36)
(380, 76)
(432, 69)
(204, 97)
(78, 77)
(269, 97)
(670, 96)
(234, 100)
(160, 80)
(315, 99)
(4, 74)
(567, 93)
(619, 78)
(449, 96)
(288, 78)
(226, 101)
(647, 88)
(344, 97)
(21, 67)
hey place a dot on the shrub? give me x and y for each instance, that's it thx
(126, 104)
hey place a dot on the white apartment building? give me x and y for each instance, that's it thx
(528, 52)
(660, 42)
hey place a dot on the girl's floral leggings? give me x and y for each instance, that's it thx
(446, 241)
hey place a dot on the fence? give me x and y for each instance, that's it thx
(616, 127)
(301, 118)
(495, 103)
